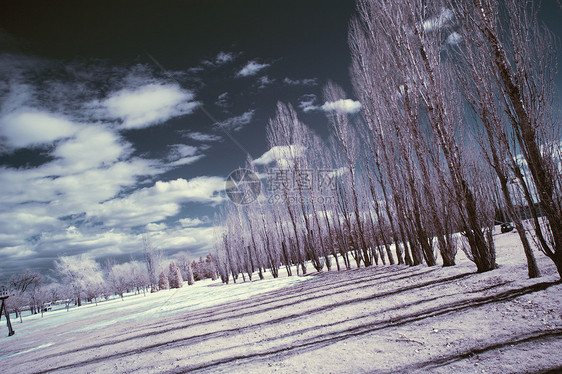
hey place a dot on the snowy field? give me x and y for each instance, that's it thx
(383, 319)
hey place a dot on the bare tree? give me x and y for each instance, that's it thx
(26, 285)
(21, 282)
(138, 276)
(410, 33)
(184, 263)
(16, 303)
(511, 46)
(152, 258)
(80, 274)
(119, 279)
(481, 92)
(347, 142)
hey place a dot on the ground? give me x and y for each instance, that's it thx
(382, 319)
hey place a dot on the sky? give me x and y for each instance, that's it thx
(119, 118)
(114, 115)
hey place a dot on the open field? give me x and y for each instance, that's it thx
(383, 319)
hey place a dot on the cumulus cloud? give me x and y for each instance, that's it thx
(86, 194)
(342, 106)
(281, 155)
(308, 104)
(29, 128)
(156, 203)
(237, 123)
(149, 105)
(28, 222)
(92, 147)
(251, 68)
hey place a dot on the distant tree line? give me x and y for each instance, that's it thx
(77, 279)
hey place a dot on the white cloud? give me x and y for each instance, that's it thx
(149, 105)
(183, 154)
(281, 155)
(237, 123)
(224, 57)
(186, 160)
(93, 147)
(202, 189)
(200, 239)
(156, 203)
(65, 195)
(182, 150)
(201, 137)
(342, 106)
(265, 81)
(16, 223)
(191, 222)
(307, 103)
(72, 240)
(301, 82)
(85, 196)
(156, 227)
(251, 68)
(29, 128)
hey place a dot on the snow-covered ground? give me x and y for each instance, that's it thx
(379, 319)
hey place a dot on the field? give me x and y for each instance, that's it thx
(382, 319)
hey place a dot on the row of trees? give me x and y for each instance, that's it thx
(457, 123)
(82, 278)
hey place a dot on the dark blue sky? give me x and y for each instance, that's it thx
(102, 132)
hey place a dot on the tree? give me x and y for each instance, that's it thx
(184, 263)
(174, 276)
(479, 87)
(119, 279)
(408, 35)
(348, 146)
(25, 286)
(80, 274)
(516, 59)
(138, 276)
(41, 297)
(152, 258)
(163, 283)
(21, 282)
(15, 304)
